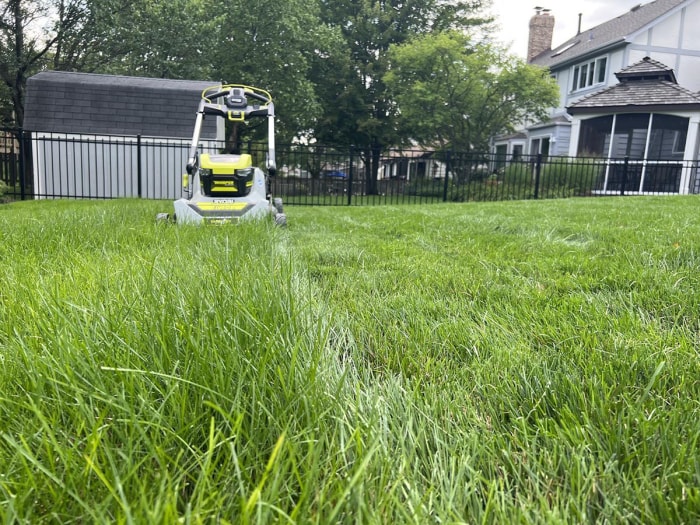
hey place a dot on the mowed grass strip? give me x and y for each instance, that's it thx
(504, 362)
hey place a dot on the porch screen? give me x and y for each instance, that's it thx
(643, 151)
(594, 139)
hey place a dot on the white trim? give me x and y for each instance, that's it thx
(691, 141)
(646, 152)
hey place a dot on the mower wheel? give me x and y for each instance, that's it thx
(281, 219)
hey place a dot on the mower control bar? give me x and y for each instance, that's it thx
(237, 109)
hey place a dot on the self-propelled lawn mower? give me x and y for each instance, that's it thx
(223, 188)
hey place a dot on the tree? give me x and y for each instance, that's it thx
(76, 35)
(449, 90)
(161, 39)
(20, 51)
(273, 45)
(357, 107)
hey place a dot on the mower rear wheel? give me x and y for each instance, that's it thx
(281, 219)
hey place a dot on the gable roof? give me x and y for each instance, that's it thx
(644, 86)
(609, 34)
(86, 103)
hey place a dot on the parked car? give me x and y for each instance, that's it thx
(295, 173)
(335, 174)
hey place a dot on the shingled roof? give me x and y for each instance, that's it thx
(84, 103)
(610, 34)
(647, 69)
(644, 86)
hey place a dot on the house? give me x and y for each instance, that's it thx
(416, 163)
(104, 136)
(645, 128)
(659, 37)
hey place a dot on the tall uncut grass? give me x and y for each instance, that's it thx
(478, 363)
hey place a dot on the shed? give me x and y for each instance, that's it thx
(104, 136)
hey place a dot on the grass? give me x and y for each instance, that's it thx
(481, 363)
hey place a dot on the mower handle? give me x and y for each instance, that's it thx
(226, 89)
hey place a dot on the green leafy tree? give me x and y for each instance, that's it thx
(162, 39)
(450, 91)
(76, 35)
(25, 40)
(90, 35)
(273, 44)
(358, 109)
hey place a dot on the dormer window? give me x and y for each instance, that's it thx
(589, 74)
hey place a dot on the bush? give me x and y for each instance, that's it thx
(4, 188)
(425, 188)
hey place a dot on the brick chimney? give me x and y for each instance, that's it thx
(541, 31)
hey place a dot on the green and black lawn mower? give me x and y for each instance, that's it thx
(224, 188)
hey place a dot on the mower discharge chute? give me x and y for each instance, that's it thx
(222, 188)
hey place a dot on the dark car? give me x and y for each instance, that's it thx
(335, 174)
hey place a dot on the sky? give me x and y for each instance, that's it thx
(513, 16)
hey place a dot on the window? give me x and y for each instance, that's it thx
(517, 152)
(589, 74)
(644, 151)
(540, 145)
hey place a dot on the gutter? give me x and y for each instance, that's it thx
(588, 54)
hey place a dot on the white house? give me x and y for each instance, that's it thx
(659, 39)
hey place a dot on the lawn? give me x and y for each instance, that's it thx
(532, 362)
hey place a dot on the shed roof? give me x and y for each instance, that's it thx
(608, 34)
(86, 103)
(644, 86)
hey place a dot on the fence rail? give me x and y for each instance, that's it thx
(40, 165)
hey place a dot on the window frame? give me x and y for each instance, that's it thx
(589, 73)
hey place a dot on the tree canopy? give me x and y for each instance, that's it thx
(349, 72)
(358, 108)
(450, 91)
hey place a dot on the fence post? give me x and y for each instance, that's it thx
(538, 171)
(138, 164)
(22, 151)
(350, 175)
(445, 186)
(625, 167)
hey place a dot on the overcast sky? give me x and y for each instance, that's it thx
(513, 16)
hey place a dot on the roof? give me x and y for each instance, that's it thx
(612, 33)
(562, 119)
(643, 86)
(647, 69)
(86, 103)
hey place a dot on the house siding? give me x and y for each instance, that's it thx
(690, 37)
(667, 32)
(672, 39)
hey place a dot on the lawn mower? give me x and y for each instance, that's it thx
(222, 188)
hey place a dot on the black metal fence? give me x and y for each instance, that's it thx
(40, 165)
